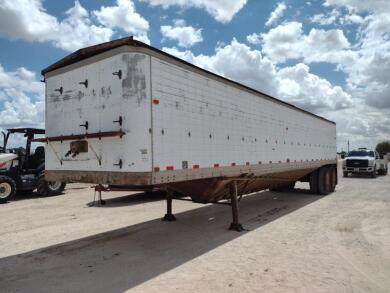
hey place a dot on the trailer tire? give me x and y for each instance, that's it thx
(283, 187)
(7, 188)
(313, 182)
(324, 181)
(46, 188)
(333, 178)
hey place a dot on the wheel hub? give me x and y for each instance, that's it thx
(54, 185)
(5, 190)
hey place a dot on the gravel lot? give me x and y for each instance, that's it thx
(296, 242)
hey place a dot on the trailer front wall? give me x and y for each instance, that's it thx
(106, 98)
(200, 122)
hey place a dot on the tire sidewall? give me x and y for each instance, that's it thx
(12, 184)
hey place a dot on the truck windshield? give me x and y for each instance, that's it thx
(361, 154)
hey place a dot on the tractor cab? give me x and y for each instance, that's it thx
(21, 169)
(26, 160)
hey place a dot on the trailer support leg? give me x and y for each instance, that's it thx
(101, 201)
(235, 225)
(169, 217)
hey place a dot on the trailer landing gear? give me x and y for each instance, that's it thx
(235, 225)
(99, 188)
(169, 217)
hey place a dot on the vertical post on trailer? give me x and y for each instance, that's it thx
(169, 217)
(99, 188)
(235, 225)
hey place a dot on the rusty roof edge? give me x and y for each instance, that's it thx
(87, 52)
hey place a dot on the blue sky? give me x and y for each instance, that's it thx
(327, 56)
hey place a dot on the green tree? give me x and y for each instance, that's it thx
(383, 147)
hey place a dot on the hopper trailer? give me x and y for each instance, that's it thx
(125, 114)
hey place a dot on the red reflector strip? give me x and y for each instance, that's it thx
(156, 169)
(233, 164)
(156, 102)
(169, 168)
(216, 165)
(195, 166)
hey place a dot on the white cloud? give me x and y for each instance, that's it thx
(293, 84)
(361, 5)
(326, 19)
(22, 98)
(254, 39)
(123, 16)
(186, 36)
(222, 10)
(309, 91)
(287, 41)
(352, 19)
(77, 31)
(276, 14)
(368, 76)
(28, 20)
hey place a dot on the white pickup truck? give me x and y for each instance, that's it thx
(364, 161)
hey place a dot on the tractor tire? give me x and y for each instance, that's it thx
(7, 188)
(46, 188)
(324, 181)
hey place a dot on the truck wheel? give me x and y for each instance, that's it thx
(345, 174)
(7, 188)
(324, 181)
(46, 188)
(313, 182)
(374, 174)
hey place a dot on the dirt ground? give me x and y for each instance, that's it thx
(295, 242)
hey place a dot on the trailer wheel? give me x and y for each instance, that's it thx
(7, 188)
(46, 188)
(333, 179)
(283, 187)
(313, 181)
(324, 181)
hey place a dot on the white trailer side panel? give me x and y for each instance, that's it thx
(200, 122)
(106, 98)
